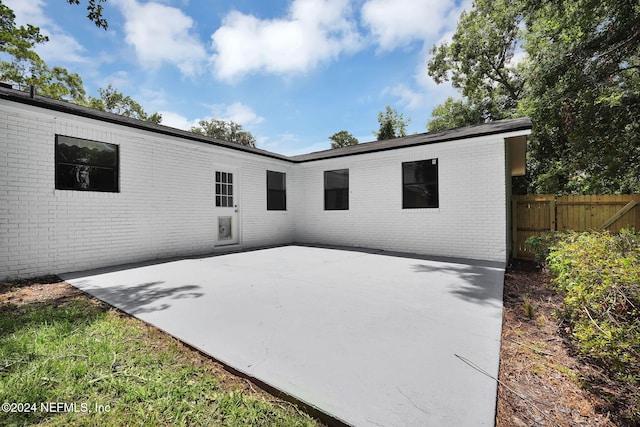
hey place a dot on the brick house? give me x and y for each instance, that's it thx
(81, 188)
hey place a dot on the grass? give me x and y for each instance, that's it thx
(529, 308)
(112, 370)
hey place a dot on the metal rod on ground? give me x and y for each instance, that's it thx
(524, 399)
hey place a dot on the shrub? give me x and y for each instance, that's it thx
(600, 275)
(542, 244)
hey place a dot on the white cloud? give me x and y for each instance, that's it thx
(421, 95)
(407, 96)
(162, 34)
(60, 45)
(236, 112)
(424, 21)
(177, 120)
(278, 142)
(400, 22)
(315, 31)
(241, 114)
(120, 80)
(28, 12)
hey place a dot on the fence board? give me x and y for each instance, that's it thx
(618, 215)
(533, 215)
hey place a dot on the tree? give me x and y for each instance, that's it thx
(392, 124)
(225, 130)
(343, 139)
(478, 61)
(94, 12)
(584, 94)
(578, 81)
(26, 68)
(17, 41)
(57, 82)
(112, 101)
(455, 113)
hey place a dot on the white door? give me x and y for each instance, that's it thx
(226, 206)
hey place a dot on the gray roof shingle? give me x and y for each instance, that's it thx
(491, 128)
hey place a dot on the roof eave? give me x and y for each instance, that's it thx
(509, 127)
(82, 111)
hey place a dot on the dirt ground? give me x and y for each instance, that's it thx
(541, 383)
(42, 289)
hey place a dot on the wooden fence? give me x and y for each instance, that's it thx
(533, 215)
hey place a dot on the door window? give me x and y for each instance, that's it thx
(224, 189)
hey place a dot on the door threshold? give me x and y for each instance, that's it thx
(228, 248)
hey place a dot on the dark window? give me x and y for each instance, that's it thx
(336, 190)
(420, 184)
(276, 191)
(86, 165)
(224, 189)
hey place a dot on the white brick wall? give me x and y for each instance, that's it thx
(165, 206)
(470, 221)
(261, 227)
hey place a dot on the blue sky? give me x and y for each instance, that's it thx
(292, 72)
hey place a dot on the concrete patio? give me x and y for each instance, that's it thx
(369, 338)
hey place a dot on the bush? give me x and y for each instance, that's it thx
(600, 274)
(542, 245)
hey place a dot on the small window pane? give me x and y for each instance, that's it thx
(276, 200)
(85, 165)
(420, 184)
(276, 191)
(224, 189)
(336, 190)
(336, 199)
(276, 180)
(337, 179)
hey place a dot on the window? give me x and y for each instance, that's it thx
(224, 189)
(276, 191)
(86, 165)
(420, 184)
(336, 190)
